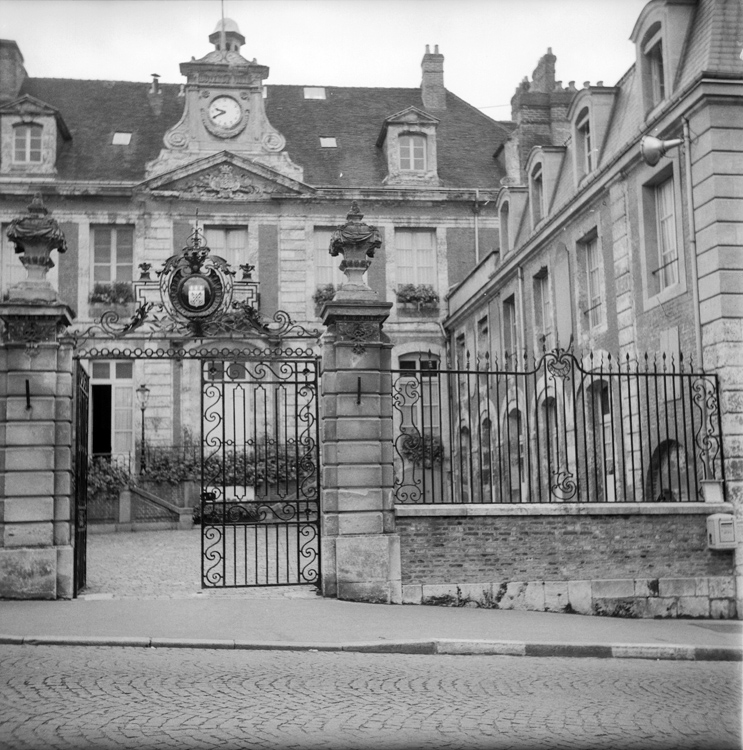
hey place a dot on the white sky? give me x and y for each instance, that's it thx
(489, 45)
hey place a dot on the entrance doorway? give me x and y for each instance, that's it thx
(257, 459)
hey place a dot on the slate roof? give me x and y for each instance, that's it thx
(94, 110)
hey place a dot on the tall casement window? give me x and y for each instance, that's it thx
(327, 270)
(113, 253)
(112, 408)
(510, 331)
(421, 408)
(543, 310)
(11, 268)
(653, 68)
(595, 288)
(483, 336)
(583, 141)
(230, 243)
(412, 153)
(665, 217)
(505, 239)
(27, 144)
(415, 256)
(537, 194)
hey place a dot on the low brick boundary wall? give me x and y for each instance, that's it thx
(649, 560)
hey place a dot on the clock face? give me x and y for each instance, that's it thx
(225, 112)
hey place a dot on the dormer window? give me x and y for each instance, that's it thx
(583, 141)
(27, 144)
(536, 184)
(412, 153)
(653, 67)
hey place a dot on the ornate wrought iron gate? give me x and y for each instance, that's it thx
(260, 472)
(81, 478)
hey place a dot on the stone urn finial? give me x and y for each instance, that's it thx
(35, 235)
(356, 242)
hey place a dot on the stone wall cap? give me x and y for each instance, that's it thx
(562, 509)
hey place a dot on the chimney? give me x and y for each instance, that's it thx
(543, 78)
(433, 92)
(12, 72)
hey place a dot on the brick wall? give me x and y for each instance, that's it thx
(437, 550)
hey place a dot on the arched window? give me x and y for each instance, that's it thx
(668, 477)
(420, 394)
(27, 144)
(412, 153)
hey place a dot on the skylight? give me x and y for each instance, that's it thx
(121, 139)
(328, 142)
(314, 92)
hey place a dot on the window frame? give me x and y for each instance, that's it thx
(654, 67)
(415, 253)
(408, 146)
(543, 306)
(595, 289)
(33, 131)
(536, 193)
(113, 263)
(583, 134)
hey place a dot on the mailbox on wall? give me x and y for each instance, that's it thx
(721, 532)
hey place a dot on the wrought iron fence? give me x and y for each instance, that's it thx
(561, 430)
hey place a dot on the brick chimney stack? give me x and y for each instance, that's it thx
(543, 77)
(433, 92)
(539, 108)
(12, 72)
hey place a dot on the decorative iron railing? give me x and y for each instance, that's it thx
(562, 430)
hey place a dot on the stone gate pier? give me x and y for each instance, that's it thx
(36, 389)
(360, 550)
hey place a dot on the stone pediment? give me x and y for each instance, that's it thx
(412, 116)
(223, 176)
(28, 108)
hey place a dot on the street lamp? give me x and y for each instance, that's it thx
(143, 395)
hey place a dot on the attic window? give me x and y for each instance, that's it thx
(328, 142)
(314, 92)
(27, 143)
(121, 139)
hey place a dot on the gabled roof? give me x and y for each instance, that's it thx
(95, 110)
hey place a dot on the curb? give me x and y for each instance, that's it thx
(442, 646)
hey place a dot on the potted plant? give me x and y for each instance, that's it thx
(419, 298)
(324, 293)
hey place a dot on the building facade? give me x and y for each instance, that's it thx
(267, 172)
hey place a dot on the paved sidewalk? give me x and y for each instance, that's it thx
(143, 591)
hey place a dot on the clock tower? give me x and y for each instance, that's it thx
(224, 110)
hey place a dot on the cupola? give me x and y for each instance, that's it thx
(226, 36)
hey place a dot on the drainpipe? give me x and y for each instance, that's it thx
(693, 246)
(476, 211)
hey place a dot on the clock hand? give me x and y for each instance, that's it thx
(220, 112)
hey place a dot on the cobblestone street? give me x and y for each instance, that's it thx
(158, 564)
(98, 698)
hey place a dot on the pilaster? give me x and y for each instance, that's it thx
(360, 551)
